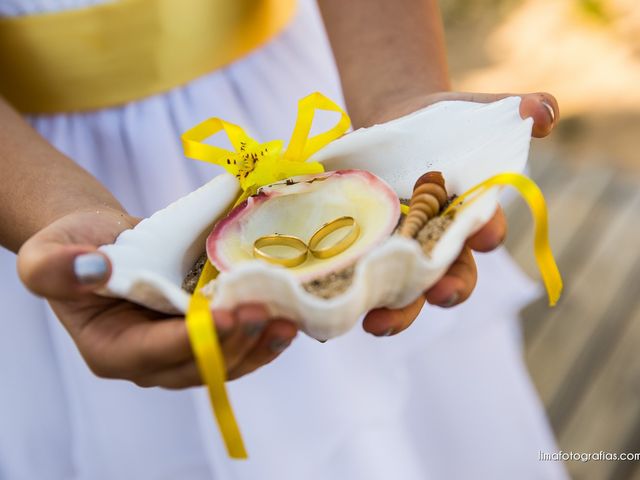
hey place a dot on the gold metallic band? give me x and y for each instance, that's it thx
(339, 246)
(124, 50)
(281, 241)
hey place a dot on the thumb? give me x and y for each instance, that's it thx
(61, 271)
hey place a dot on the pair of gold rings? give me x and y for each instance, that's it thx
(303, 249)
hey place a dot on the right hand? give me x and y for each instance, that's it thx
(119, 339)
(459, 281)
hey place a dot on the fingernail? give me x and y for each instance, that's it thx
(387, 333)
(253, 329)
(223, 333)
(278, 345)
(90, 268)
(322, 341)
(252, 320)
(451, 301)
(549, 108)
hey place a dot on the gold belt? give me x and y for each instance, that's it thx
(121, 51)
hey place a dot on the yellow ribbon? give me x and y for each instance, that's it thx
(255, 165)
(534, 198)
(205, 345)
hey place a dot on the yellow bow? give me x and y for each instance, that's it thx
(255, 165)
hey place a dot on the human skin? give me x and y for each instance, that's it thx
(391, 60)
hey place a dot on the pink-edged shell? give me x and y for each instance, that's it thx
(299, 207)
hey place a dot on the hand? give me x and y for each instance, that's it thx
(460, 280)
(119, 339)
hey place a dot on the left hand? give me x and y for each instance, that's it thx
(122, 340)
(459, 281)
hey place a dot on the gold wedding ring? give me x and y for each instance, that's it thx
(281, 241)
(297, 244)
(339, 246)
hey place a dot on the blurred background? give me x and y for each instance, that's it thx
(583, 355)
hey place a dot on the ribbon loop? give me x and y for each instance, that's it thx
(300, 145)
(194, 146)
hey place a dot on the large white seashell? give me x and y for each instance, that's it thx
(467, 142)
(301, 206)
(150, 261)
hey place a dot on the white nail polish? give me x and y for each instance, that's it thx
(549, 108)
(90, 268)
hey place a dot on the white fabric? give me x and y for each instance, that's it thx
(449, 398)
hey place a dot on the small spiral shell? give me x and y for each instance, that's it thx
(429, 196)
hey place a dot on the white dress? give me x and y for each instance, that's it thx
(448, 399)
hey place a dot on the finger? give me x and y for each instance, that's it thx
(277, 336)
(61, 272)
(457, 284)
(123, 340)
(541, 107)
(181, 376)
(176, 367)
(491, 235)
(224, 322)
(128, 343)
(250, 321)
(383, 322)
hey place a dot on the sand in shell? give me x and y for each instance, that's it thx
(336, 283)
(432, 232)
(191, 279)
(331, 285)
